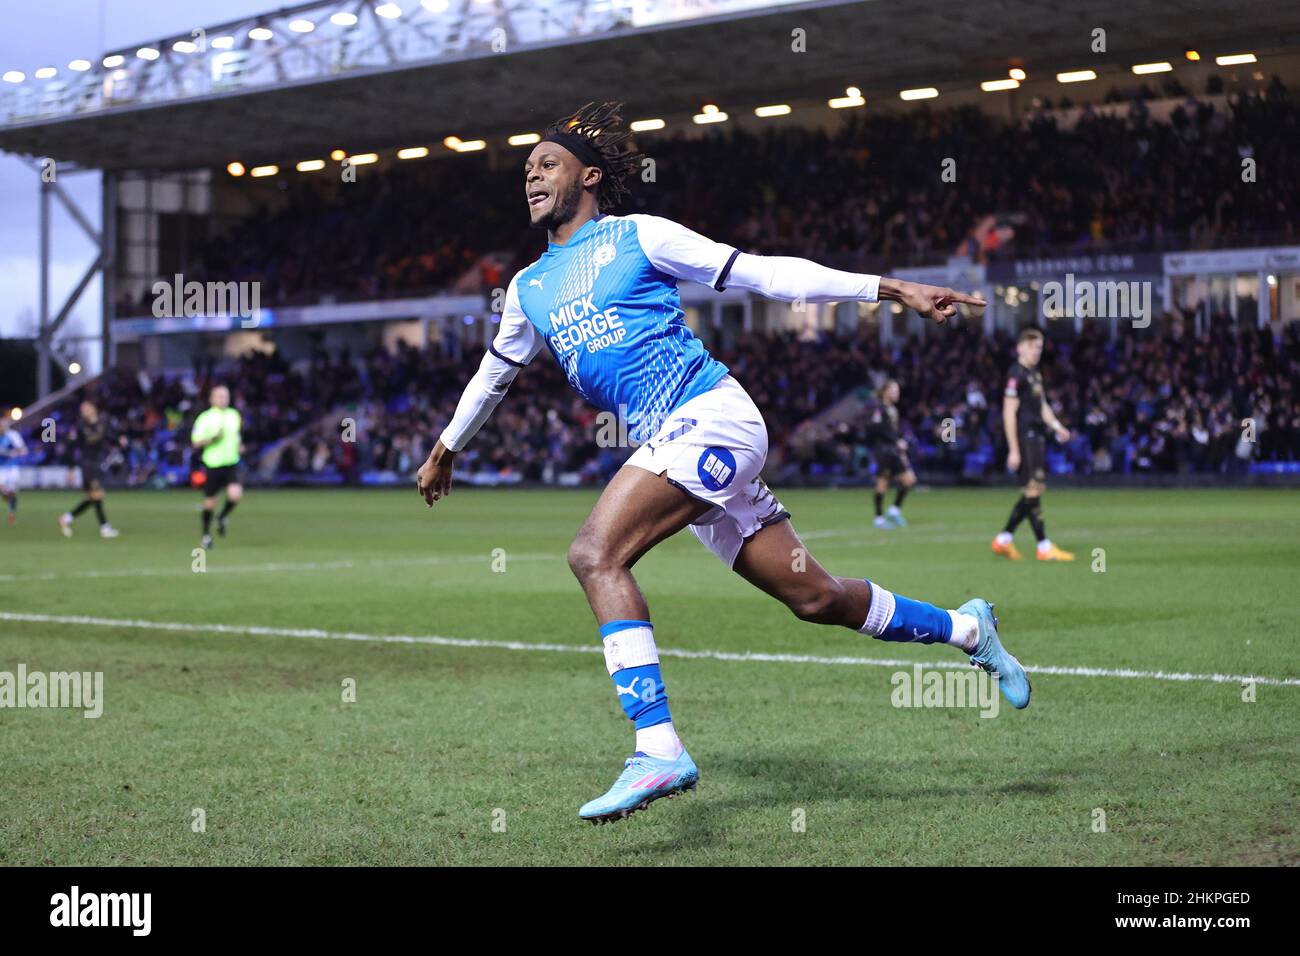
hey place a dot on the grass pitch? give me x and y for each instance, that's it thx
(459, 753)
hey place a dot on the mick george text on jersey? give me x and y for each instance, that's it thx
(579, 322)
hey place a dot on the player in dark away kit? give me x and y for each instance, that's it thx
(1026, 416)
(92, 447)
(890, 452)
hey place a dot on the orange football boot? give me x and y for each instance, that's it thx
(1007, 550)
(1054, 554)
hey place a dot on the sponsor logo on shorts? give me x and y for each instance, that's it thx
(717, 467)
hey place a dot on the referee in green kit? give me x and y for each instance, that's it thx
(217, 435)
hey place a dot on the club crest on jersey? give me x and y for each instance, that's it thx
(717, 467)
(605, 254)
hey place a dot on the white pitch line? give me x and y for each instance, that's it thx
(913, 535)
(272, 567)
(593, 648)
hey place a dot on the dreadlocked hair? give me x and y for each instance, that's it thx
(602, 127)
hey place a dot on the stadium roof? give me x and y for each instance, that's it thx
(424, 74)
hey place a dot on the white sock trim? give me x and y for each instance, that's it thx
(660, 741)
(881, 613)
(965, 631)
(631, 647)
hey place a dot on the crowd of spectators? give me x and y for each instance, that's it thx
(1215, 403)
(541, 432)
(149, 416)
(1176, 403)
(869, 194)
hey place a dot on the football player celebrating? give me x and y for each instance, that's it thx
(603, 299)
(1026, 414)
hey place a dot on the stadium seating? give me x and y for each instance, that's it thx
(1170, 404)
(864, 197)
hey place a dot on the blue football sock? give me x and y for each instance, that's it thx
(893, 617)
(633, 663)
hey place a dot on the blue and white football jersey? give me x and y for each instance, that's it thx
(12, 446)
(606, 304)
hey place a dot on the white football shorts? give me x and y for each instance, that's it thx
(9, 477)
(713, 448)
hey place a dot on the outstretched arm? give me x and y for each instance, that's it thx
(515, 345)
(790, 279)
(686, 254)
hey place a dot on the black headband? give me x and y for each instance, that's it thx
(587, 154)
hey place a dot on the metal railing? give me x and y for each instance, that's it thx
(323, 40)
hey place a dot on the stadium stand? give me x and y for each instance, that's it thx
(1170, 404)
(862, 198)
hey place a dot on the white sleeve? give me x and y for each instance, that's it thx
(517, 341)
(787, 278)
(676, 250)
(515, 345)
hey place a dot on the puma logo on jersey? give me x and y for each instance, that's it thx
(537, 282)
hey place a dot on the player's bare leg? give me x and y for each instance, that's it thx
(775, 560)
(636, 511)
